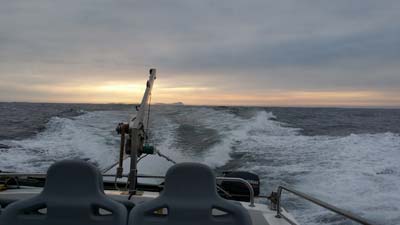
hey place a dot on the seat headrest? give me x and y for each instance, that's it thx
(190, 179)
(73, 178)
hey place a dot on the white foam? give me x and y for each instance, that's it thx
(360, 172)
(89, 136)
(166, 139)
(243, 133)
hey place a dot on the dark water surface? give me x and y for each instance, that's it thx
(349, 157)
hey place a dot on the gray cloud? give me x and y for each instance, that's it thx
(304, 45)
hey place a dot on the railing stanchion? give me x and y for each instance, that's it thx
(278, 203)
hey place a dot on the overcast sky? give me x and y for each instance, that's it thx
(227, 52)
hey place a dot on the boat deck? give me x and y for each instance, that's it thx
(260, 214)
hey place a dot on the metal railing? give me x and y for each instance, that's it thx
(43, 175)
(232, 179)
(243, 181)
(316, 201)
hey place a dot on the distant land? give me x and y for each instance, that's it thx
(175, 103)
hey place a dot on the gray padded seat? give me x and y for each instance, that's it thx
(189, 195)
(73, 195)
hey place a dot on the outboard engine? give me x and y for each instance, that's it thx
(239, 191)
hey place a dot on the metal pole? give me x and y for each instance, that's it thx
(316, 201)
(44, 175)
(278, 203)
(23, 175)
(136, 144)
(120, 167)
(137, 132)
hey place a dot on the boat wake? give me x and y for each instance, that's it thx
(355, 172)
(87, 136)
(359, 172)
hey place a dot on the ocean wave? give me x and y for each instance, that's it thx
(354, 171)
(359, 172)
(88, 136)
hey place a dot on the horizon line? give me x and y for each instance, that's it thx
(215, 105)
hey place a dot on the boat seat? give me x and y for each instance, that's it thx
(73, 195)
(189, 197)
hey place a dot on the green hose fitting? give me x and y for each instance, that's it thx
(149, 149)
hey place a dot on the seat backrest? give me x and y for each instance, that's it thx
(73, 194)
(189, 197)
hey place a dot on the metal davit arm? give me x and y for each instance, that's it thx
(137, 131)
(316, 201)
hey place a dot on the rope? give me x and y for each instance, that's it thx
(141, 158)
(166, 157)
(113, 165)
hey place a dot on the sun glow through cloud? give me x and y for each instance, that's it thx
(165, 92)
